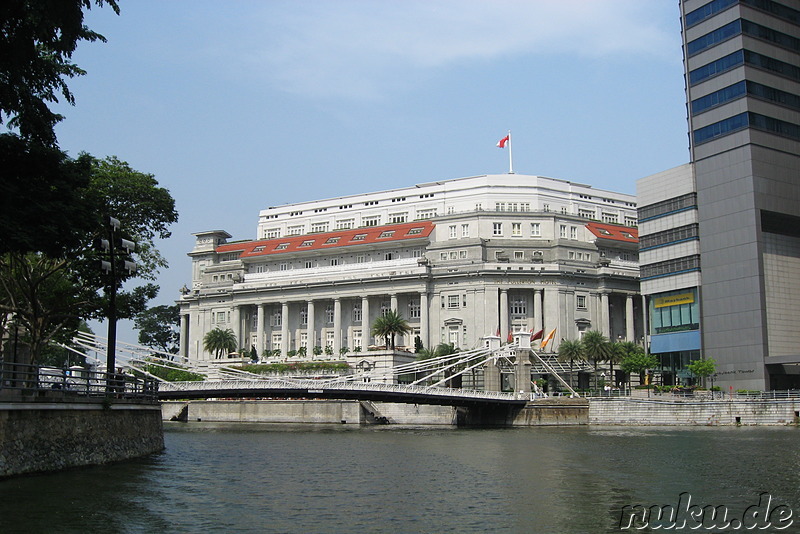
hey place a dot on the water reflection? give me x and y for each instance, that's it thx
(284, 478)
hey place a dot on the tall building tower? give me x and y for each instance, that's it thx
(742, 65)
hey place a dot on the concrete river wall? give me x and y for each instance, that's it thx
(41, 436)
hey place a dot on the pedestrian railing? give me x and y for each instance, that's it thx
(33, 382)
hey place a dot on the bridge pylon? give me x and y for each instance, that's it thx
(522, 365)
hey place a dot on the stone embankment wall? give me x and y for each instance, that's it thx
(38, 437)
(542, 412)
(687, 412)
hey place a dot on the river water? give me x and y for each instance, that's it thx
(340, 479)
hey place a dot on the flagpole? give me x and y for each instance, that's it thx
(510, 158)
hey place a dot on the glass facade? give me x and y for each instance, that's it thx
(675, 311)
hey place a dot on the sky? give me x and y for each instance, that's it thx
(237, 106)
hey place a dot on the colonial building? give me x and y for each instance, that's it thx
(459, 259)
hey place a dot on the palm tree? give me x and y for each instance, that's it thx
(220, 342)
(596, 347)
(568, 351)
(389, 325)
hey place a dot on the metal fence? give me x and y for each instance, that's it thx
(33, 382)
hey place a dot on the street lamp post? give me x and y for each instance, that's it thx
(109, 246)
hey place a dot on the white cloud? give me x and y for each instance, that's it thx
(358, 48)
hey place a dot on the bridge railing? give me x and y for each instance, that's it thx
(23, 382)
(317, 385)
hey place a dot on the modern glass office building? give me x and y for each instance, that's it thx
(742, 65)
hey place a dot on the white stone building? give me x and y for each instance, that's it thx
(459, 259)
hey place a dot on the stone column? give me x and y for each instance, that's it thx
(311, 332)
(423, 318)
(184, 341)
(538, 320)
(260, 317)
(629, 329)
(504, 329)
(337, 326)
(366, 327)
(393, 305)
(284, 329)
(605, 327)
(236, 323)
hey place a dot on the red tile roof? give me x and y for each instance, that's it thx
(614, 232)
(340, 238)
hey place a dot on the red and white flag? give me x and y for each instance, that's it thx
(502, 142)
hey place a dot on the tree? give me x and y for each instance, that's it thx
(43, 297)
(43, 199)
(159, 328)
(703, 368)
(638, 362)
(389, 325)
(595, 347)
(37, 40)
(568, 351)
(219, 342)
(621, 350)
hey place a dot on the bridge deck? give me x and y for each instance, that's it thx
(336, 390)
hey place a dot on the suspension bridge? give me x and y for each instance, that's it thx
(426, 381)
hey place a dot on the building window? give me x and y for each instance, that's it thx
(586, 214)
(453, 234)
(630, 221)
(516, 229)
(562, 233)
(464, 230)
(536, 230)
(329, 313)
(518, 306)
(373, 220)
(497, 228)
(304, 339)
(666, 207)
(361, 258)
(295, 230)
(277, 318)
(519, 255)
(319, 227)
(387, 256)
(426, 214)
(414, 309)
(670, 267)
(272, 233)
(283, 267)
(580, 302)
(334, 262)
(397, 218)
(357, 313)
(668, 237)
(345, 224)
(612, 218)
(304, 316)
(573, 232)
(443, 256)
(309, 264)
(453, 255)
(462, 254)
(452, 302)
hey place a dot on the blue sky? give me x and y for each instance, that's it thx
(236, 106)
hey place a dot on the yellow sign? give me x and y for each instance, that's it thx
(674, 300)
